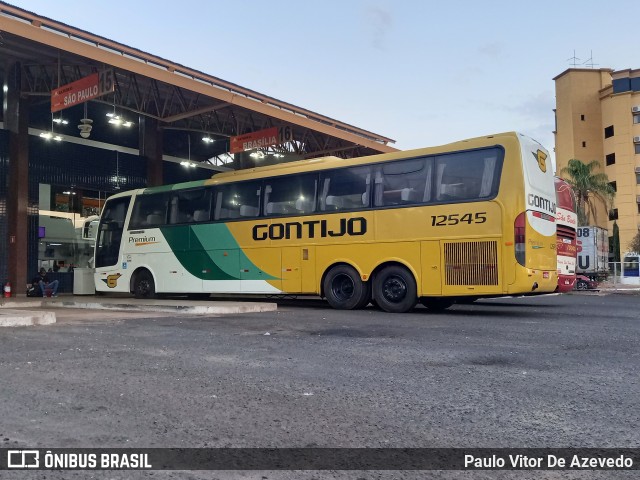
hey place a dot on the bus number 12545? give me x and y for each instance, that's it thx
(456, 218)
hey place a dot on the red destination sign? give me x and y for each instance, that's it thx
(260, 139)
(82, 90)
(253, 140)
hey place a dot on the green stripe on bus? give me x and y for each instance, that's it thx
(195, 247)
(191, 255)
(217, 236)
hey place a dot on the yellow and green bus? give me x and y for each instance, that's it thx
(467, 220)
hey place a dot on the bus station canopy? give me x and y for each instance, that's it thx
(51, 54)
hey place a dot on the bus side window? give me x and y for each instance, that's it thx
(404, 182)
(467, 176)
(185, 204)
(236, 200)
(290, 195)
(149, 211)
(345, 189)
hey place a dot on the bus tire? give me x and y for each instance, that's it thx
(344, 290)
(438, 304)
(394, 289)
(143, 285)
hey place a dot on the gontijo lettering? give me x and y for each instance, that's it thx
(309, 229)
(541, 202)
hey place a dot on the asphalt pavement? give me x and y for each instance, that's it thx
(550, 371)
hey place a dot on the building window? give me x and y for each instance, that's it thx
(613, 214)
(608, 131)
(621, 85)
(610, 159)
(639, 208)
(582, 117)
(614, 186)
(638, 178)
(637, 147)
(584, 144)
(636, 118)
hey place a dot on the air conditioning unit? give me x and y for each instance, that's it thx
(636, 109)
(636, 139)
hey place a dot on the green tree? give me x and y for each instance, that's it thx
(634, 245)
(589, 187)
(615, 247)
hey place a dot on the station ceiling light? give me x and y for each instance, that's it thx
(50, 136)
(118, 121)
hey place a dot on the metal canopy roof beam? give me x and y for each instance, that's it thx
(99, 49)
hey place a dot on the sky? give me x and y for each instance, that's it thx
(421, 72)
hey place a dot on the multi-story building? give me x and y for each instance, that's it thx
(598, 118)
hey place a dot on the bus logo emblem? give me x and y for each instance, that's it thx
(112, 280)
(541, 158)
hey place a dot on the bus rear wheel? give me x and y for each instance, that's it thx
(394, 289)
(344, 290)
(144, 286)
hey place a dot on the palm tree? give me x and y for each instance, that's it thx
(588, 186)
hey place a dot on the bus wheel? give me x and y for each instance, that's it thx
(439, 304)
(582, 285)
(144, 286)
(344, 290)
(394, 289)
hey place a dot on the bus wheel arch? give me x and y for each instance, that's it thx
(394, 287)
(343, 287)
(143, 284)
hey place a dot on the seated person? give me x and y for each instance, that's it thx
(43, 281)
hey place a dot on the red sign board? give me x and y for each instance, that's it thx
(253, 140)
(82, 90)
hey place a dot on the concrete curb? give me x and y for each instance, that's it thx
(217, 308)
(25, 318)
(19, 303)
